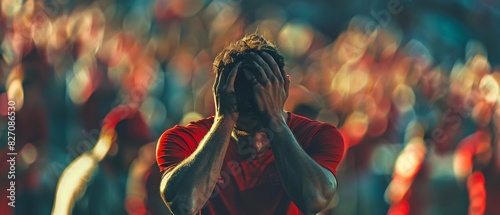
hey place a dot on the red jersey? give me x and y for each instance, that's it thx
(251, 186)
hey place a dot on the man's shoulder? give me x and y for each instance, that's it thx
(194, 129)
(307, 129)
(301, 122)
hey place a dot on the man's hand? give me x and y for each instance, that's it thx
(224, 95)
(271, 89)
(181, 192)
(295, 166)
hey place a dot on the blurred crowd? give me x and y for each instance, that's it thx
(95, 83)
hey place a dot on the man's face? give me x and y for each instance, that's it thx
(249, 119)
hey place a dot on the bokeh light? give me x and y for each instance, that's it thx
(414, 91)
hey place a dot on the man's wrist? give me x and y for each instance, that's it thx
(225, 119)
(276, 121)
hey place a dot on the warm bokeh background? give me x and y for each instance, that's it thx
(412, 84)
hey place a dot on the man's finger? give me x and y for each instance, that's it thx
(258, 99)
(222, 78)
(287, 84)
(262, 63)
(273, 65)
(216, 83)
(250, 77)
(263, 77)
(256, 87)
(232, 76)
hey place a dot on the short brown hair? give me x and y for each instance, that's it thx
(239, 51)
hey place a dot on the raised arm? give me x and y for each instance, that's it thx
(188, 186)
(310, 186)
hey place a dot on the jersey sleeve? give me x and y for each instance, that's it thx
(327, 147)
(173, 146)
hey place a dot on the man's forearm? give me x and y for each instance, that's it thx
(310, 186)
(188, 186)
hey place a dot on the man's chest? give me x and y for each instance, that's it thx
(249, 173)
(250, 185)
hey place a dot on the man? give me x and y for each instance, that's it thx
(252, 157)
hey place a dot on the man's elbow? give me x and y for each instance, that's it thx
(179, 204)
(182, 208)
(319, 202)
(317, 205)
(322, 200)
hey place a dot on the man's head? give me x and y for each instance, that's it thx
(240, 51)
